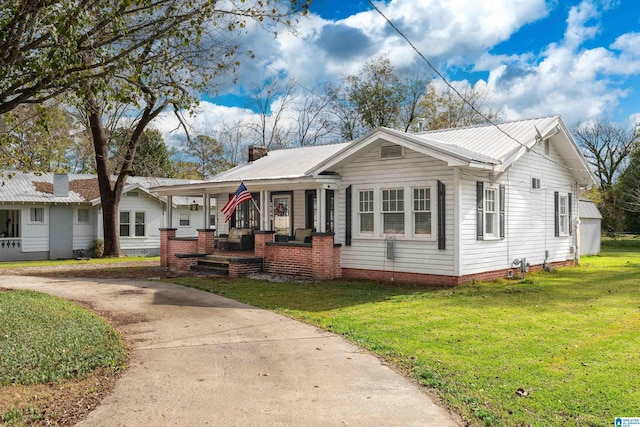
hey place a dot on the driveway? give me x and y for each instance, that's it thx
(199, 359)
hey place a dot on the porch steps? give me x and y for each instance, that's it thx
(212, 264)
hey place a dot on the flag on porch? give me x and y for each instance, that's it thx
(241, 195)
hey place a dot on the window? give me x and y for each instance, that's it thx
(393, 211)
(535, 183)
(547, 149)
(490, 212)
(490, 215)
(563, 215)
(184, 220)
(140, 224)
(125, 224)
(37, 214)
(83, 215)
(365, 211)
(422, 211)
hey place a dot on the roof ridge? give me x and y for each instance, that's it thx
(481, 125)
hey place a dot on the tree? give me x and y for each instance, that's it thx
(209, 155)
(606, 146)
(36, 138)
(377, 93)
(48, 48)
(443, 109)
(314, 123)
(270, 103)
(151, 56)
(152, 155)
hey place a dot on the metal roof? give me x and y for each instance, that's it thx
(588, 209)
(281, 164)
(30, 187)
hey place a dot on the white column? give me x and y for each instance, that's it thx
(206, 201)
(168, 219)
(265, 210)
(321, 196)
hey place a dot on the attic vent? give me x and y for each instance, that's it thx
(391, 152)
(535, 183)
(132, 194)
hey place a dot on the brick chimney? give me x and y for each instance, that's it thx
(257, 152)
(60, 184)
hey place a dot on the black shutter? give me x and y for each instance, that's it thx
(347, 222)
(556, 214)
(570, 220)
(502, 198)
(479, 210)
(442, 217)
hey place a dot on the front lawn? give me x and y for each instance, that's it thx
(552, 349)
(45, 339)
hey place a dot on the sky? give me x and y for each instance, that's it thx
(576, 58)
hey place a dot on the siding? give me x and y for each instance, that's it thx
(529, 216)
(415, 255)
(35, 236)
(85, 233)
(154, 220)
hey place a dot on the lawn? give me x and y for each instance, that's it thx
(45, 339)
(557, 348)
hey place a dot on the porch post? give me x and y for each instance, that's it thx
(168, 220)
(321, 194)
(266, 210)
(206, 201)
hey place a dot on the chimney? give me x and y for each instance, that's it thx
(257, 152)
(60, 184)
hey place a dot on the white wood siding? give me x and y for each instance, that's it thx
(414, 255)
(529, 215)
(196, 221)
(35, 236)
(85, 233)
(154, 220)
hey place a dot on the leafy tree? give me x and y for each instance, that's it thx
(36, 138)
(152, 156)
(209, 155)
(183, 169)
(443, 109)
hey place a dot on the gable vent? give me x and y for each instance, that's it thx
(132, 194)
(391, 152)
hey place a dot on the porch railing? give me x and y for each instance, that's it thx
(10, 243)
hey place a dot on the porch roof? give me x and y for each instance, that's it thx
(284, 169)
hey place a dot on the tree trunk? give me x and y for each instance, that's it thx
(109, 197)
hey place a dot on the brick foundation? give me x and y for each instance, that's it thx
(241, 267)
(440, 280)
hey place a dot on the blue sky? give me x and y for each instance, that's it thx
(577, 58)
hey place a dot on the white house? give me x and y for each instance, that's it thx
(443, 207)
(52, 216)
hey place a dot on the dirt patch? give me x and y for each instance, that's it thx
(55, 404)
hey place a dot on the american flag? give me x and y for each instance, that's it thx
(242, 195)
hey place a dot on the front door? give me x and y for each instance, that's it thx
(282, 222)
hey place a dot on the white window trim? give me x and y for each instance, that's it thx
(403, 211)
(565, 197)
(434, 213)
(44, 216)
(132, 224)
(359, 212)
(496, 212)
(188, 219)
(378, 219)
(88, 221)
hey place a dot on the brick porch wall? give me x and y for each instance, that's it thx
(318, 260)
(165, 235)
(438, 280)
(206, 242)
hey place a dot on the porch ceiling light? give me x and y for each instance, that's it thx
(194, 206)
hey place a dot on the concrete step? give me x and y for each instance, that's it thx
(208, 269)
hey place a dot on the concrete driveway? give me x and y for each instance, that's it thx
(200, 359)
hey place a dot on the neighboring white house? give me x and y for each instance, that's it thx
(590, 228)
(52, 216)
(443, 206)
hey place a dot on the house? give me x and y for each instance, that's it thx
(590, 227)
(54, 216)
(438, 207)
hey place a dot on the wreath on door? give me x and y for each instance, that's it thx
(280, 210)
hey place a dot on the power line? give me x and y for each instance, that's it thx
(444, 79)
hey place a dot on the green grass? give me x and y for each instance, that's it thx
(52, 263)
(46, 339)
(570, 339)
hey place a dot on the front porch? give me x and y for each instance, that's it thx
(317, 260)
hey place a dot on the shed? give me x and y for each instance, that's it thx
(590, 227)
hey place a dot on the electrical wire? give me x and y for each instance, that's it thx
(444, 79)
